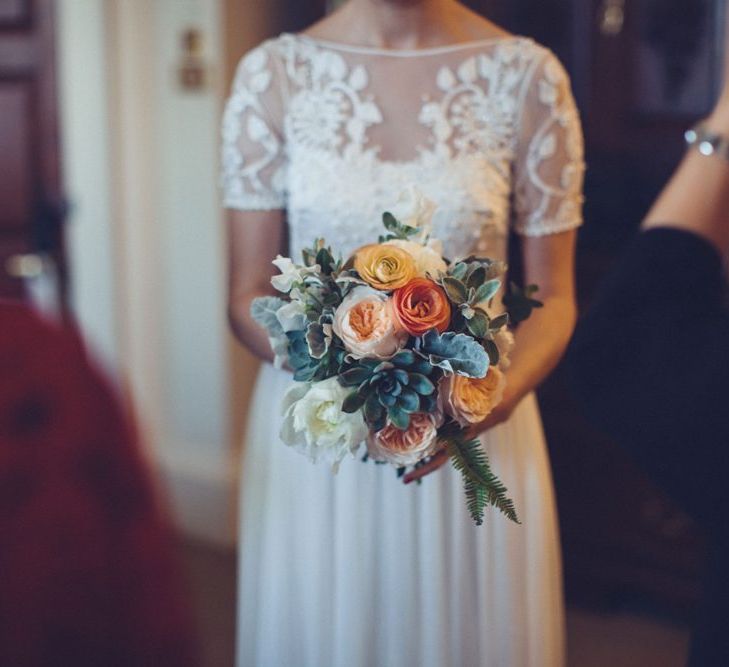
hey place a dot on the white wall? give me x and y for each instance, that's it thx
(145, 238)
(86, 166)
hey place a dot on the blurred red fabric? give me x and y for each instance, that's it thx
(87, 574)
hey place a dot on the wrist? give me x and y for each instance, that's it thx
(512, 397)
(718, 120)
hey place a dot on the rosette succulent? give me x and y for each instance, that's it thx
(390, 391)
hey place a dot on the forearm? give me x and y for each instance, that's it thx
(245, 328)
(697, 197)
(540, 344)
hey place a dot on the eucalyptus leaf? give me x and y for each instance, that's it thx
(454, 353)
(325, 260)
(459, 270)
(390, 222)
(476, 275)
(263, 311)
(455, 290)
(478, 325)
(499, 322)
(487, 291)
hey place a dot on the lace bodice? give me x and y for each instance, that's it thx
(333, 134)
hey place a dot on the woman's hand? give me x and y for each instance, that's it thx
(697, 197)
(542, 339)
(254, 240)
(500, 414)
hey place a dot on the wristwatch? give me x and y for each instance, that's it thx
(707, 142)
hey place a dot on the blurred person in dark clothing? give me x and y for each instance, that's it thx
(650, 361)
(87, 576)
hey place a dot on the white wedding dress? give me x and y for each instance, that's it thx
(356, 569)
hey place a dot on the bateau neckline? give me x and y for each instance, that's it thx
(382, 51)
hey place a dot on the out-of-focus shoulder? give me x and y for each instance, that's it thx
(544, 58)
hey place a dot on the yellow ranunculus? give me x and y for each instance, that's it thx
(384, 267)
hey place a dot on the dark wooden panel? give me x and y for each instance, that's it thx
(14, 13)
(16, 180)
(294, 15)
(31, 197)
(18, 54)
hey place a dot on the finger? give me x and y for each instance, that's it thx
(431, 466)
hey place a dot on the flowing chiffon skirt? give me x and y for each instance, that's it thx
(358, 570)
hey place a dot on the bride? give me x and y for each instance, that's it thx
(322, 132)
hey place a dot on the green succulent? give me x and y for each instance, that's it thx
(390, 390)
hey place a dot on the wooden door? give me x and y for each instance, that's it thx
(31, 202)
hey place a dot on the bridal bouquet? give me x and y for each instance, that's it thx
(395, 349)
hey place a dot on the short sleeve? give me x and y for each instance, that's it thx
(253, 156)
(549, 166)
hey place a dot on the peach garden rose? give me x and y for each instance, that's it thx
(366, 323)
(470, 400)
(404, 448)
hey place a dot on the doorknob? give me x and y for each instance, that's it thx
(25, 266)
(612, 17)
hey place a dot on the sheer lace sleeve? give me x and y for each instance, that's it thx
(549, 166)
(253, 161)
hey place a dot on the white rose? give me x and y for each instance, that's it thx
(315, 425)
(427, 258)
(366, 323)
(290, 273)
(415, 210)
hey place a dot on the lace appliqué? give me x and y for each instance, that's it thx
(253, 172)
(299, 128)
(552, 195)
(330, 111)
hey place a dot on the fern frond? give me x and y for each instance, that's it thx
(481, 485)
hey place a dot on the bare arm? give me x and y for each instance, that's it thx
(254, 240)
(548, 198)
(697, 197)
(543, 338)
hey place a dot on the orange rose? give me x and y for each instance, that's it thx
(421, 306)
(471, 400)
(404, 448)
(384, 267)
